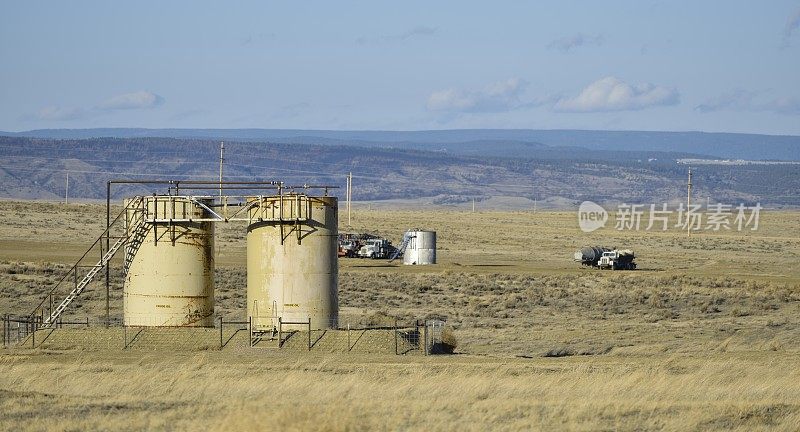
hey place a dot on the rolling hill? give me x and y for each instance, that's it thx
(37, 168)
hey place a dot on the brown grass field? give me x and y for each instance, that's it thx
(705, 336)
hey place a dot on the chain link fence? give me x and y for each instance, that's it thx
(357, 335)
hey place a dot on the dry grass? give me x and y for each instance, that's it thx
(705, 337)
(250, 392)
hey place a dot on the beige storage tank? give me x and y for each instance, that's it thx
(421, 248)
(170, 265)
(292, 267)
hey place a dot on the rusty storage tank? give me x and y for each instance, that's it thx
(421, 248)
(170, 263)
(292, 264)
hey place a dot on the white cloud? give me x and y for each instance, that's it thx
(743, 100)
(500, 96)
(792, 24)
(783, 105)
(55, 113)
(406, 35)
(613, 94)
(736, 99)
(418, 31)
(567, 43)
(136, 100)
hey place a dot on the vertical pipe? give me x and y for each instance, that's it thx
(108, 270)
(33, 333)
(220, 333)
(309, 333)
(155, 216)
(250, 329)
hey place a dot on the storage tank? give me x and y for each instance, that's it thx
(170, 277)
(588, 255)
(292, 267)
(421, 248)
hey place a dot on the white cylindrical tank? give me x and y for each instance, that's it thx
(421, 248)
(170, 277)
(292, 264)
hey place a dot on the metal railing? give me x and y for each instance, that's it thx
(46, 311)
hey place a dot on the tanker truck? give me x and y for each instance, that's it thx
(606, 258)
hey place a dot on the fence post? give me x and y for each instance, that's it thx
(33, 333)
(5, 317)
(395, 338)
(280, 332)
(426, 336)
(250, 329)
(309, 333)
(419, 335)
(87, 322)
(220, 333)
(125, 335)
(348, 336)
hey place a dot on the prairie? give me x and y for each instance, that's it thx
(704, 336)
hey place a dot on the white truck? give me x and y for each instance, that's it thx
(375, 249)
(617, 260)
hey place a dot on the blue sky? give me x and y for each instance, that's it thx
(729, 66)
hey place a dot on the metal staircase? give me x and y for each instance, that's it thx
(130, 230)
(137, 230)
(93, 270)
(402, 248)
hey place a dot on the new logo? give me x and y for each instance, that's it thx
(591, 216)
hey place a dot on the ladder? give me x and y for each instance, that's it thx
(135, 240)
(402, 248)
(82, 284)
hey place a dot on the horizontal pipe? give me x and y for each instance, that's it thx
(190, 182)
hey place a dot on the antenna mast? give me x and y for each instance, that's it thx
(221, 161)
(689, 204)
(349, 194)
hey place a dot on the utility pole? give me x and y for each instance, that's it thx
(66, 190)
(349, 195)
(689, 204)
(221, 161)
(534, 206)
